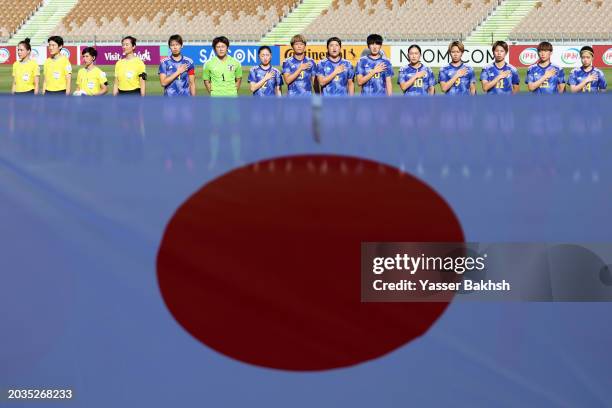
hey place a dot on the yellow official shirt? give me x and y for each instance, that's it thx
(24, 74)
(91, 81)
(55, 72)
(127, 73)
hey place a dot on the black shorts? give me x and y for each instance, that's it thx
(132, 92)
(63, 92)
(31, 92)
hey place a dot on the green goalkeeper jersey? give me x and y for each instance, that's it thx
(222, 75)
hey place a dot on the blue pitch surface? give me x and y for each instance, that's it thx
(88, 185)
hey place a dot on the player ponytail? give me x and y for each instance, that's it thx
(26, 44)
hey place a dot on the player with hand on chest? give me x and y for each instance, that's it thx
(299, 70)
(374, 72)
(457, 78)
(415, 78)
(587, 78)
(264, 79)
(500, 78)
(544, 77)
(334, 73)
(177, 73)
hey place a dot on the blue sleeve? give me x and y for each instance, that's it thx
(252, 77)
(313, 66)
(516, 79)
(360, 69)
(389, 71)
(279, 79)
(350, 72)
(432, 77)
(401, 76)
(319, 70)
(190, 65)
(484, 74)
(602, 80)
(162, 69)
(443, 75)
(529, 77)
(572, 78)
(561, 75)
(286, 67)
(472, 76)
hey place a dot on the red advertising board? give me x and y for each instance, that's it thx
(7, 54)
(71, 52)
(523, 55)
(565, 56)
(603, 56)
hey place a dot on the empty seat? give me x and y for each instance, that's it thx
(566, 20)
(156, 20)
(14, 14)
(400, 19)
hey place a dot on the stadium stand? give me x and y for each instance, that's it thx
(155, 20)
(400, 19)
(557, 20)
(14, 13)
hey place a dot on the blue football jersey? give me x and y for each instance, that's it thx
(180, 86)
(339, 85)
(535, 72)
(504, 86)
(302, 85)
(579, 74)
(420, 86)
(461, 85)
(376, 85)
(257, 73)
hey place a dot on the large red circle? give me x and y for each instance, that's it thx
(263, 263)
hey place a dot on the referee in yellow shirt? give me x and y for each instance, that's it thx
(57, 71)
(91, 80)
(26, 71)
(130, 71)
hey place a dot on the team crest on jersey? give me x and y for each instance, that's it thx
(230, 67)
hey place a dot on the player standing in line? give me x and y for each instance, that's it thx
(264, 79)
(457, 78)
(91, 80)
(543, 77)
(57, 71)
(500, 77)
(26, 71)
(374, 72)
(415, 78)
(222, 73)
(177, 73)
(587, 78)
(130, 71)
(299, 70)
(334, 73)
